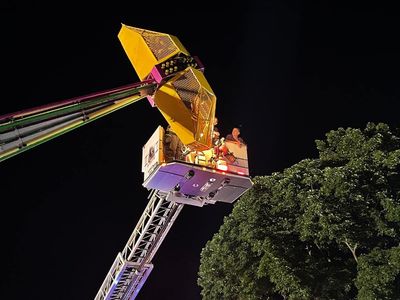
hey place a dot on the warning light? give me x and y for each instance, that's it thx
(222, 167)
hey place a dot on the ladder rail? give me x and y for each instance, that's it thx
(132, 265)
(135, 285)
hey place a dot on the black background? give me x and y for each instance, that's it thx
(286, 72)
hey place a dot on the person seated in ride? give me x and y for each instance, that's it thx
(234, 136)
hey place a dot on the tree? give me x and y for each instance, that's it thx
(326, 228)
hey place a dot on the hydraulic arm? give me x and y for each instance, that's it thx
(23, 130)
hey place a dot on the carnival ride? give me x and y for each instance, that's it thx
(181, 164)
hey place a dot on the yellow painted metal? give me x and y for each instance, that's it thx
(186, 101)
(178, 44)
(146, 48)
(188, 104)
(175, 112)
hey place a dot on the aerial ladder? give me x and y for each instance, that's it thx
(181, 164)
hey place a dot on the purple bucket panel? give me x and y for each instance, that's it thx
(197, 181)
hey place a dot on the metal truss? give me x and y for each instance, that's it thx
(133, 265)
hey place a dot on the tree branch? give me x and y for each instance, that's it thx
(353, 250)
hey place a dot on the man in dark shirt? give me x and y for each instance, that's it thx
(234, 136)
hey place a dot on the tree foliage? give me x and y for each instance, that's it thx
(326, 228)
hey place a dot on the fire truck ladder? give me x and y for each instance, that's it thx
(133, 265)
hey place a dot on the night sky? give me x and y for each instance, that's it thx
(285, 73)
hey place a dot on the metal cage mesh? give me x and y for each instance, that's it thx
(187, 88)
(199, 101)
(160, 45)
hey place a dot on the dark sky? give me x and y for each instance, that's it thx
(286, 73)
